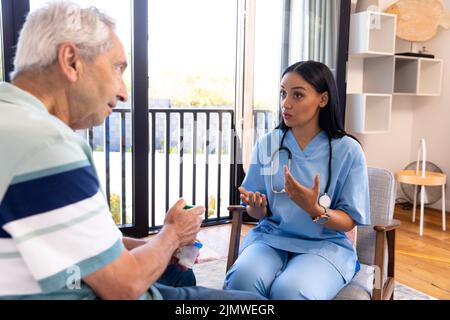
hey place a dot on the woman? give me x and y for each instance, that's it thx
(299, 250)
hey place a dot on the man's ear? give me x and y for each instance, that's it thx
(324, 99)
(69, 61)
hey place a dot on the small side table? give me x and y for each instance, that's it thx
(429, 179)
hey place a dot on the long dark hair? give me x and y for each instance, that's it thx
(319, 76)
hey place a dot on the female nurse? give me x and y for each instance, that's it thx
(307, 184)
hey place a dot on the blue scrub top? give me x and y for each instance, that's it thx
(290, 228)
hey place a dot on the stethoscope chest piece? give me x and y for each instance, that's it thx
(325, 201)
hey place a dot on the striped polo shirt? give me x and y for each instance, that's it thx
(55, 224)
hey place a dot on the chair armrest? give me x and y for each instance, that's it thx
(236, 213)
(236, 208)
(385, 239)
(387, 225)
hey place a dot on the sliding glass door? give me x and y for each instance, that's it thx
(192, 66)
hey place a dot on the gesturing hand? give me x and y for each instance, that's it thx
(256, 203)
(255, 200)
(304, 197)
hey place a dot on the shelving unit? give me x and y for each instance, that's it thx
(370, 72)
(375, 73)
(368, 113)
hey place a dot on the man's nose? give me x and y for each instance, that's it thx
(123, 93)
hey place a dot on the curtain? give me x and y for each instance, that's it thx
(312, 28)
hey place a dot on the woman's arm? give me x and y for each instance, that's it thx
(307, 199)
(338, 219)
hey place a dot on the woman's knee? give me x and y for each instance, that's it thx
(237, 277)
(245, 277)
(285, 288)
(254, 269)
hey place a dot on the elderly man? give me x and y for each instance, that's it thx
(55, 225)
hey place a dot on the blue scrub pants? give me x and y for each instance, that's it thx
(175, 284)
(280, 275)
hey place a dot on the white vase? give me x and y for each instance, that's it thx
(364, 5)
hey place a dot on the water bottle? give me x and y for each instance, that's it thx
(188, 254)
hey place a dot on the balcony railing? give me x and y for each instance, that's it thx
(191, 156)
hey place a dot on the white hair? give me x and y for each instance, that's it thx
(56, 23)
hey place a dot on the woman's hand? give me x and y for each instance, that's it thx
(256, 203)
(256, 200)
(304, 197)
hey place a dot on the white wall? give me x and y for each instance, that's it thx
(414, 118)
(432, 114)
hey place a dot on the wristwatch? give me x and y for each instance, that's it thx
(323, 218)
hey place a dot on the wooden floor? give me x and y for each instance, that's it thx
(422, 263)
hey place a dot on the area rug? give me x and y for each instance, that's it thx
(211, 274)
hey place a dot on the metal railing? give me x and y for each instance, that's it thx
(174, 135)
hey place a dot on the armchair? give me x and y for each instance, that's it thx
(375, 243)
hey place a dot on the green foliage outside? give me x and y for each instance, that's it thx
(172, 150)
(192, 90)
(205, 97)
(211, 206)
(114, 201)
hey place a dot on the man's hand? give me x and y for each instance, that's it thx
(304, 197)
(185, 223)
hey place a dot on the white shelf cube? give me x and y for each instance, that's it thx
(406, 70)
(430, 77)
(372, 34)
(368, 113)
(371, 75)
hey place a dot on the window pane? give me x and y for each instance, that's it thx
(192, 48)
(268, 44)
(112, 148)
(192, 63)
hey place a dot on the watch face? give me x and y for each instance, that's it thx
(323, 220)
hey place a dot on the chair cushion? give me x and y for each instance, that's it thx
(361, 286)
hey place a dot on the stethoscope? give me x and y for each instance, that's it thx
(324, 200)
